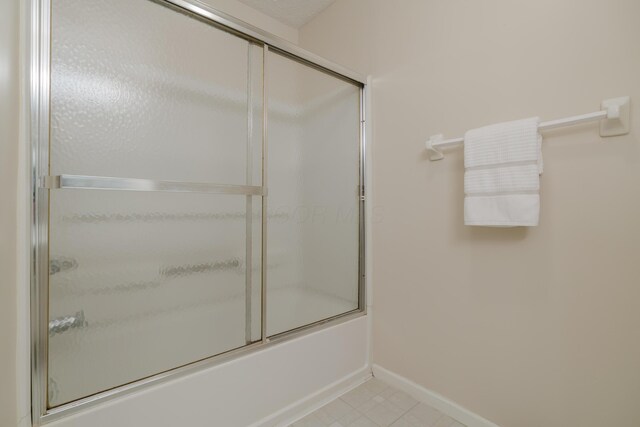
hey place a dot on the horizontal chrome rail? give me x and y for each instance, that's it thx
(137, 184)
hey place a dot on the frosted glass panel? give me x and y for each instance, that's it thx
(140, 90)
(313, 178)
(146, 282)
(141, 282)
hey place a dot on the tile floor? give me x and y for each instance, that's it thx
(376, 404)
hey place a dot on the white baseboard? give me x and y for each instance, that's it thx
(431, 398)
(306, 405)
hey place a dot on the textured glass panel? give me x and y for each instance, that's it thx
(145, 282)
(255, 117)
(140, 90)
(313, 178)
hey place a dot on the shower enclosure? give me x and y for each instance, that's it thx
(198, 194)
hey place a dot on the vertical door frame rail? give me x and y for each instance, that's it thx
(248, 304)
(38, 125)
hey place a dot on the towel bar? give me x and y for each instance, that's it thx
(615, 117)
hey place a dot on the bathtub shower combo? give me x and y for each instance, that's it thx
(198, 194)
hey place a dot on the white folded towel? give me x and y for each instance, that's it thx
(503, 163)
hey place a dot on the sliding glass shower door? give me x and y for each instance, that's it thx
(199, 193)
(146, 281)
(314, 187)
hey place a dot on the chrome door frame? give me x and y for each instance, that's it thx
(38, 57)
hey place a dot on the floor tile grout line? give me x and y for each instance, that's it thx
(404, 412)
(369, 390)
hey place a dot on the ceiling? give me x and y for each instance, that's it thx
(294, 13)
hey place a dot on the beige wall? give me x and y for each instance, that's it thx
(9, 86)
(526, 327)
